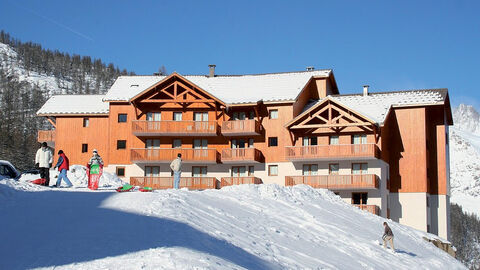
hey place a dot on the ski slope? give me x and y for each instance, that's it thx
(238, 227)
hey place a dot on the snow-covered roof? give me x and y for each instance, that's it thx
(228, 88)
(376, 105)
(74, 104)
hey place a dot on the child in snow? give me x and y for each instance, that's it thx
(387, 236)
(63, 166)
(95, 159)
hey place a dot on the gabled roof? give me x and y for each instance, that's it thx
(230, 88)
(74, 104)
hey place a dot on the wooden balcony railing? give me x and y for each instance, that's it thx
(167, 182)
(241, 155)
(241, 127)
(174, 128)
(338, 151)
(335, 182)
(144, 155)
(374, 209)
(229, 181)
(46, 136)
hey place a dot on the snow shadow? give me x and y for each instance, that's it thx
(399, 251)
(51, 228)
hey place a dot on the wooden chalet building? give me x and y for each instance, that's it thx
(386, 152)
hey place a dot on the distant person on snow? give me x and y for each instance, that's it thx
(43, 161)
(96, 159)
(176, 167)
(63, 167)
(387, 236)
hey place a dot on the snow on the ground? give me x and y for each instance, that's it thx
(237, 227)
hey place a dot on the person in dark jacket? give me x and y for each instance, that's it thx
(63, 166)
(387, 236)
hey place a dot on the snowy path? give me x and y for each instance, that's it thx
(241, 227)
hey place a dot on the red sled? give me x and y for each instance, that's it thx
(125, 188)
(39, 181)
(94, 178)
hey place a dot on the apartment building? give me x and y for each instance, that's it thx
(385, 152)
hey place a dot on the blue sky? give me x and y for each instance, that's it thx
(386, 44)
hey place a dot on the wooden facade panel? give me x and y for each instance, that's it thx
(70, 135)
(408, 153)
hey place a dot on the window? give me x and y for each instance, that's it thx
(310, 169)
(152, 171)
(238, 143)
(273, 114)
(200, 144)
(199, 171)
(200, 116)
(310, 141)
(177, 116)
(333, 168)
(238, 171)
(251, 170)
(84, 148)
(120, 171)
(428, 201)
(239, 116)
(152, 143)
(122, 118)
(154, 116)
(359, 198)
(272, 170)
(251, 115)
(333, 140)
(359, 139)
(86, 121)
(177, 143)
(121, 144)
(272, 141)
(250, 143)
(359, 168)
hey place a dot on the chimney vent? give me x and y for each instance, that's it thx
(212, 70)
(156, 74)
(365, 90)
(310, 68)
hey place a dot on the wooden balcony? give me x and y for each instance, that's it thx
(241, 155)
(374, 209)
(329, 152)
(241, 128)
(46, 136)
(240, 180)
(174, 128)
(167, 182)
(336, 182)
(166, 155)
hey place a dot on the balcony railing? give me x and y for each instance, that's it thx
(241, 155)
(241, 127)
(46, 136)
(374, 209)
(167, 182)
(335, 182)
(240, 180)
(144, 155)
(174, 128)
(337, 151)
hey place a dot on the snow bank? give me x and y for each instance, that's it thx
(237, 227)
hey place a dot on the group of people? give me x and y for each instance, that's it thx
(44, 161)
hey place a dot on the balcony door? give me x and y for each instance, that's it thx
(153, 120)
(200, 147)
(359, 168)
(152, 144)
(310, 169)
(360, 198)
(239, 171)
(152, 171)
(199, 171)
(201, 121)
(239, 116)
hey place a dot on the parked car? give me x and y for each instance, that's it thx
(8, 171)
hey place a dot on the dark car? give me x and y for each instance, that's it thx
(8, 171)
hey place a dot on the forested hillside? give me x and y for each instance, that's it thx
(29, 75)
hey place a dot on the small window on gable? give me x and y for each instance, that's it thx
(273, 114)
(120, 171)
(122, 118)
(84, 148)
(272, 141)
(86, 121)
